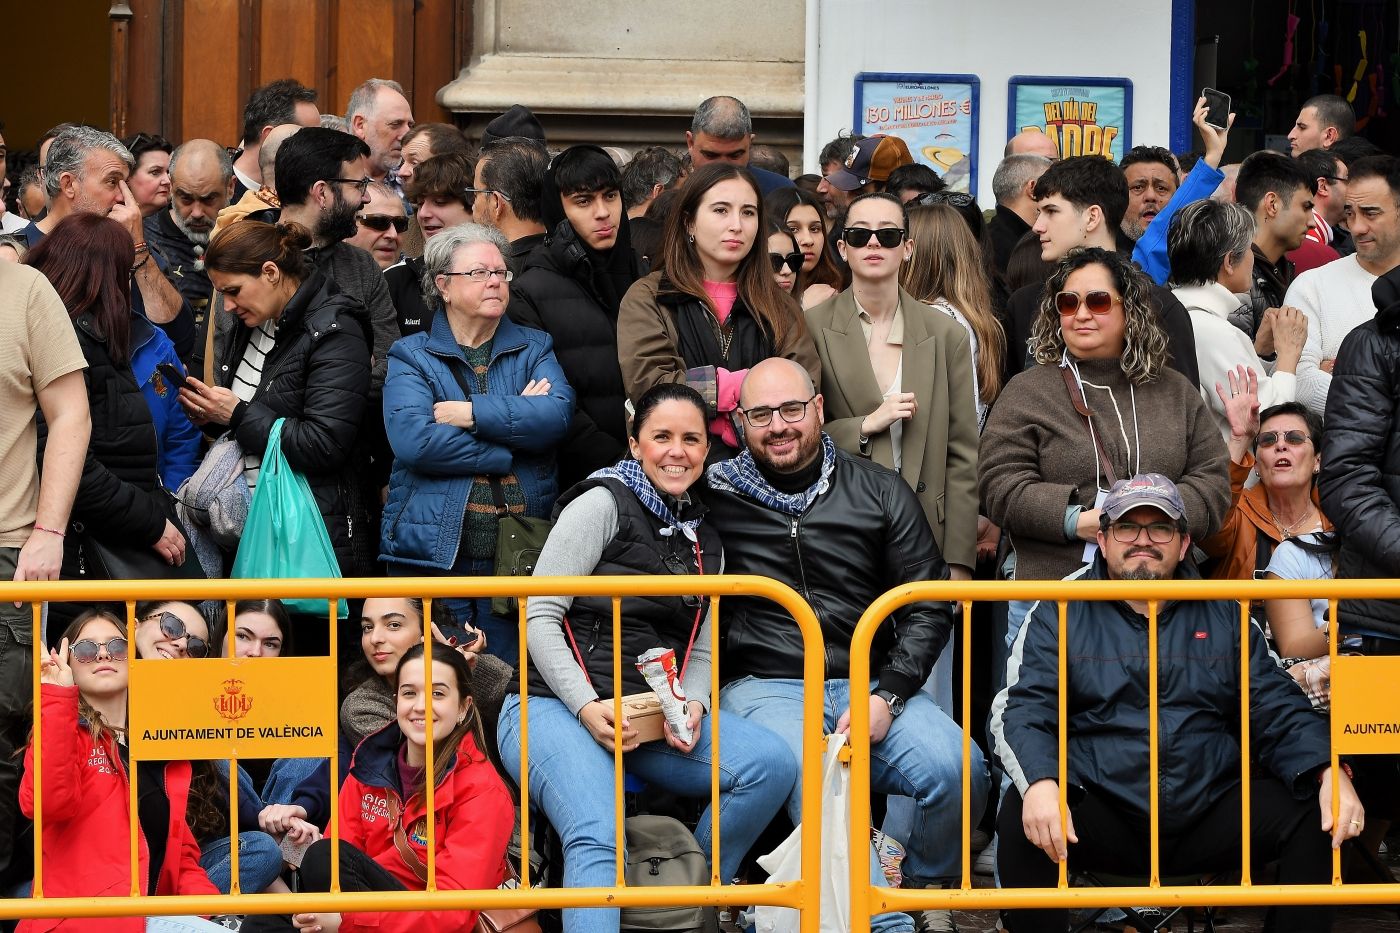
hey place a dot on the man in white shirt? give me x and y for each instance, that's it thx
(1337, 297)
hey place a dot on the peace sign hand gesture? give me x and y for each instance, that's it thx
(55, 669)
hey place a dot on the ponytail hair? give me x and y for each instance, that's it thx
(243, 248)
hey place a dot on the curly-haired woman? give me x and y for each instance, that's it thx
(1044, 464)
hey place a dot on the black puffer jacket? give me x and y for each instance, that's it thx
(864, 535)
(405, 283)
(1198, 647)
(317, 377)
(1360, 476)
(554, 294)
(119, 494)
(648, 622)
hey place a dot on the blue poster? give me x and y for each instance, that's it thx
(1082, 116)
(935, 115)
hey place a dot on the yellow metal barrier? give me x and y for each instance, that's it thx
(802, 895)
(867, 899)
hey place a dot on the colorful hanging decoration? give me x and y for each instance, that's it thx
(1290, 31)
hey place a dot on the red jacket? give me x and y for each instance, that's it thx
(87, 842)
(473, 823)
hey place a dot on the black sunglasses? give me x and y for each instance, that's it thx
(382, 222)
(951, 198)
(87, 650)
(172, 626)
(792, 260)
(888, 237)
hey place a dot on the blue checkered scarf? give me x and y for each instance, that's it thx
(742, 476)
(630, 473)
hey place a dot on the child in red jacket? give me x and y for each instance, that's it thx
(85, 802)
(383, 816)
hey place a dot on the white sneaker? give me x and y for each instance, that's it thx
(934, 921)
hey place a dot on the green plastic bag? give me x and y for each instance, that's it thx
(284, 537)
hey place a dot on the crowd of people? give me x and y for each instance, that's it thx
(1161, 368)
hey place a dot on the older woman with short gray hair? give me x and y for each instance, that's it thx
(474, 409)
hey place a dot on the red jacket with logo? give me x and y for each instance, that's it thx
(474, 816)
(86, 817)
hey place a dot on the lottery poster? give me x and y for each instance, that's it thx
(935, 115)
(1082, 116)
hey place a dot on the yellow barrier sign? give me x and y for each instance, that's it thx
(1364, 726)
(199, 708)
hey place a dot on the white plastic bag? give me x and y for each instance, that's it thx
(785, 862)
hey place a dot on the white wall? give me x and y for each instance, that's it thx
(992, 39)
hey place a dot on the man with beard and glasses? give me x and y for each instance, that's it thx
(201, 181)
(1142, 536)
(788, 504)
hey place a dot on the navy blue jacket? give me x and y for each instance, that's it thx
(1198, 726)
(434, 464)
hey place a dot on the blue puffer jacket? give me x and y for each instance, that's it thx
(176, 435)
(434, 464)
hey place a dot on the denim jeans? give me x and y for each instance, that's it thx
(920, 757)
(286, 775)
(502, 635)
(571, 779)
(259, 862)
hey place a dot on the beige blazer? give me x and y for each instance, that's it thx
(939, 446)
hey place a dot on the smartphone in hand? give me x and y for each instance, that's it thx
(173, 375)
(1217, 107)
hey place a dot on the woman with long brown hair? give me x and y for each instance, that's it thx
(120, 501)
(714, 310)
(802, 214)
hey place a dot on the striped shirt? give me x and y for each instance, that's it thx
(246, 380)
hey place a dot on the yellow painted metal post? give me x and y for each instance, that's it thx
(714, 743)
(1062, 728)
(430, 750)
(967, 746)
(234, 874)
(1245, 858)
(522, 623)
(1334, 633)
(1154, 812)
(335, 771)
(132, 806)
(620, 828)
(40, 656)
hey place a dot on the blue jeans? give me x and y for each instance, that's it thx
(920, 757)
(571, 779)
(286, 775)
(502, 635)
(259, 862)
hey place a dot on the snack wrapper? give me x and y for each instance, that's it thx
(658, 668)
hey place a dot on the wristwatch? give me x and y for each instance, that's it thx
(895, 703)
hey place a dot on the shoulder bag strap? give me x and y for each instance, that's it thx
(498, 495)
(1076, 396)
(410, 858)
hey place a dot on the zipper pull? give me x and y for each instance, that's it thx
(794, 526)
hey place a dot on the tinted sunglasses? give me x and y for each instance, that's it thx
(382, 222)
(951, 198)
(1097, 302)
(87, 650)
(172, 627)
(792, 260)
(1270, 438)
(888, 237)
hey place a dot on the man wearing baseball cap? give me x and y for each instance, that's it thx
(1142, 536)
(868, 166)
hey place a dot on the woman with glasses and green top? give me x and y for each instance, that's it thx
(474, 408)
(1101, 404)
(714, 309)
(897, 378)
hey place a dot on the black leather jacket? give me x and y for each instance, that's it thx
(864, 535)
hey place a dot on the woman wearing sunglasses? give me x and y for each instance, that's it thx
(1279, 446)
(897, 378)
(86, 828)
(802, 214)
(300, 352)
(1046, 466)
(639, 517)
(714, 310)
(786, 258)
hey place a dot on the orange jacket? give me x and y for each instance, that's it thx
(1236, 543)
(86, 832)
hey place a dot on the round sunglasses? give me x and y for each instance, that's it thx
(173, 627)
(87, 650)
(793, 261)
(1098, 302)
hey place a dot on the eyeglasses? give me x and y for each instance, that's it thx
(87, 650)
(1097, 302)
(172, 627)
(951, 198)
(760, 416)
(481, 275)
(1335, 178)
(1157, 532)
(1270, 438)
(473, 192)
(888, 237)
(792, 260)
(361, 183)
(383, 222)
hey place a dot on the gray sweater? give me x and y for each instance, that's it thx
(574, 548)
